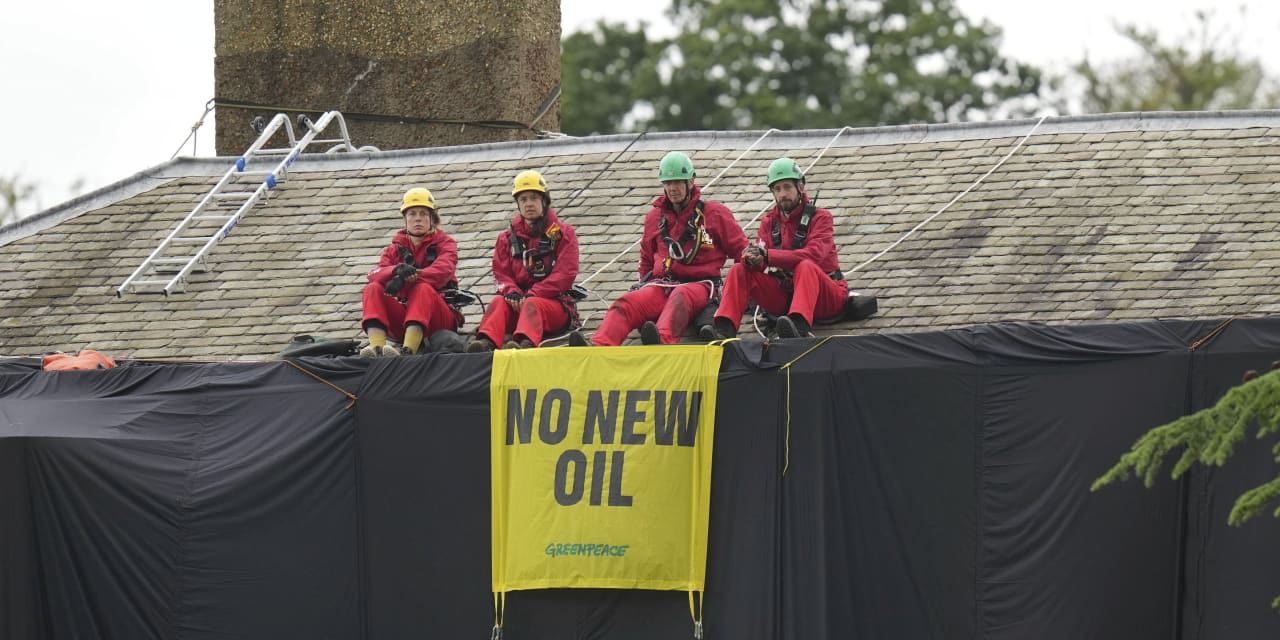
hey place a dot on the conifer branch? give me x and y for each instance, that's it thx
(1210, 437)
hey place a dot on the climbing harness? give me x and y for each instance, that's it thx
(694, 237)
(539, 260)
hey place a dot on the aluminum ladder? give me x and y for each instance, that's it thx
(185, 249)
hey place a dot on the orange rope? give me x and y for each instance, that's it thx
(331, 385)
(1216, 330)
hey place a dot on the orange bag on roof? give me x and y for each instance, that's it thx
(82, 360)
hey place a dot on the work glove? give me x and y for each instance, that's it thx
(401, 273)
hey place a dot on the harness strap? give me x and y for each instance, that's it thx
(406, 256)
(693, 231)
(535, 261)
(802, 231)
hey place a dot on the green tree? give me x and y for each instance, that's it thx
(14, 193)
(1203, 70)
(1209, 437)
(736, 64)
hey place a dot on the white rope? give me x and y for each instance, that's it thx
(194, 128)
(953, 200)
(704, 188)
(806, 172)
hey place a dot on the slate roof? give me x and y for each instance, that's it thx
(1093, 219)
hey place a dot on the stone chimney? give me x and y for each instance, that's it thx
(395, 69)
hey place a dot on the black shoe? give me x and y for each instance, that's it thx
(649, 333)
(707, 334)
(479, 345)
(793, 326)
(724, 328)
(522, 343)
(576, 339)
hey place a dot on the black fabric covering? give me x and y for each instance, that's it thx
(180, 501)
(1232, 572)
(424, 452)
(896, 486)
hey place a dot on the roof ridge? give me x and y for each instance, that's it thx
(787, 139)
(186, 167)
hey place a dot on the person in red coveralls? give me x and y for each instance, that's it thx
(792, 271)
(685, 245)
(535, 262)
(403, 299)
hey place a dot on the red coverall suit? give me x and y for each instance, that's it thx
(676, 291)
(541, 311)
(811, 292)
(423, 302)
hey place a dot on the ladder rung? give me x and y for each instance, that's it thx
(238, 177)
(199, 268)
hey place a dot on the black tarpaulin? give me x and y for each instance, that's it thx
(896, 486)
(1232, 573)
(424, 452)
(182, 501)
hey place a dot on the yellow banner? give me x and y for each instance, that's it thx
(601, 461)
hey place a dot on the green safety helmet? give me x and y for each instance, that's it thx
(784, 169)
(675, 166)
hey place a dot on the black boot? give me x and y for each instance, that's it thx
(480, 345)
(793, 326)
(719, 329)
(725, 328)
(649, 333)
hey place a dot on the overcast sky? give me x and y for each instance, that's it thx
(97, 91)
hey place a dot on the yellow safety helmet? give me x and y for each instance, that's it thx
(418, 197)
(529, 181)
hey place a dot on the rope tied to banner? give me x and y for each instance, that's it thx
(1214, 333)
(696, 612)
(786, 464)
(331, 385)
(499, 603)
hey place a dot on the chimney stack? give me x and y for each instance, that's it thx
(403, 74)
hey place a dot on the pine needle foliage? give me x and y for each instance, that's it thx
(1209, 437)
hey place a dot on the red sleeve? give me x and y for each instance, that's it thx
(726, 231)
(440, 273)
(763, 239)
(504, 274)
(819, 244)
(648, 241)
(565, 272)
(386, 265)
